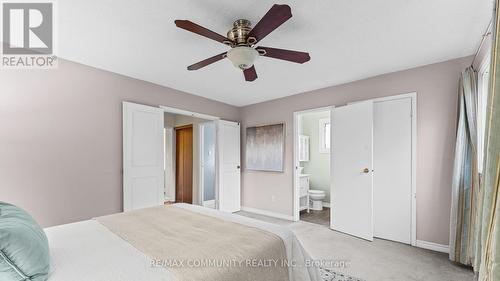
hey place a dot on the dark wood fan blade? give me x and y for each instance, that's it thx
(206, 62)
(275, 17)
(293, 56)
(200, 30)
(250, 74)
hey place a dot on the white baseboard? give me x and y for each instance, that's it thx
(209, 204)
(433, 246)
(266, 213)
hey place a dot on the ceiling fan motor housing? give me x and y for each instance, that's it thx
(239, 33)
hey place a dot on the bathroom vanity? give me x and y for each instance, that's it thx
(304, 192)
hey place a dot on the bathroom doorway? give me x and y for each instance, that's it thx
(312, 165)
(372, 167)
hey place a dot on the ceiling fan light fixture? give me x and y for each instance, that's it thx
(242, 57)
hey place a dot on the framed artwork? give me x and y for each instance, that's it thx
(265, 148)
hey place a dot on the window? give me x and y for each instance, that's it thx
(483, 88)
(324, 135)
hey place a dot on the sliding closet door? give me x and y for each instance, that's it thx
(393, 169)
(143, 150)
(352, 154)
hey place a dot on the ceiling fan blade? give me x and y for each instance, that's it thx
(275, 17)
(206, 62)
(200, 30)
(293, 56)
(250, 74)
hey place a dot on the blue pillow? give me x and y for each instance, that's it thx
(24, 249)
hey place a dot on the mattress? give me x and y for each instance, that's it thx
(88, 251)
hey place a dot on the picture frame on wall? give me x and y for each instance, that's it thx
(265, 148)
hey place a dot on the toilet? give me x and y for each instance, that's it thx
(316, 197)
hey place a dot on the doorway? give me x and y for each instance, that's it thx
(184, 164)
(150, 158)
(373, 168)
(313, 165)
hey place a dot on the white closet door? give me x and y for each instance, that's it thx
(393, 169)
(352, 154)
(228, 139)
(142, 156)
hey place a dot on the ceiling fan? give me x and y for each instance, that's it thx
(242, 39)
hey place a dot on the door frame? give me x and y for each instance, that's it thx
(296, 187)
(172, 164)
(174, 110)
(413, 96)
(210, 118)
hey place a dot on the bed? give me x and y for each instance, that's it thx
(112, 248)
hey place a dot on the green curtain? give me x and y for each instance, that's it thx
(487, 228)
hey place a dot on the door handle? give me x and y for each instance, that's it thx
(366, 170)
(238, 167)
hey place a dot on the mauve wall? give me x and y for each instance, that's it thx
(61, 137)
(436, 86)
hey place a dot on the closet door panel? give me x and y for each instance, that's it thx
(392, 175)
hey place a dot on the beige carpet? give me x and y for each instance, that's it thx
(379, 260)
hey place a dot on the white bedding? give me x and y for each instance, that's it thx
(88, 251)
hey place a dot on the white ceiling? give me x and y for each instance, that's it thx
(347, 40)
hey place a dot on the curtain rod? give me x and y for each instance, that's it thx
(486, 34)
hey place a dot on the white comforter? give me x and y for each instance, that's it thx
(87, 251)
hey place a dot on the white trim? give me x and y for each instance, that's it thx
(201, 152)
(414, 168)
(267, 213)
(188, 113)
(433, 246)
(172, 164)
(296, 187)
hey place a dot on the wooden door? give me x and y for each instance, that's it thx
(184, 164)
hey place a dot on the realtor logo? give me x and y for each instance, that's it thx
(28, 35)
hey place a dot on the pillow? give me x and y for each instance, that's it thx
(24, 249)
